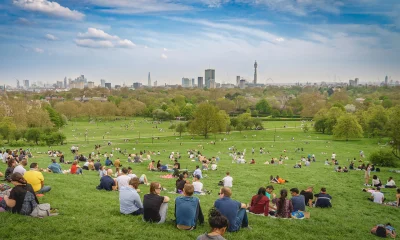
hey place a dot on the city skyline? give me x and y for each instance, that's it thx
(123, 41)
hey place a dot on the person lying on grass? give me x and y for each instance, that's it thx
(188, 210)
(260, 203)
(277, 180)
(129, 199)
(218, 224)
(384, 231)
(155, 206)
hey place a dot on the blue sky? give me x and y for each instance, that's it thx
(122, 40)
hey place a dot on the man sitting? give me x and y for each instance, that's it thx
(107, 182)
(55, 167)
(308, 196)
(322, 199)
(298, 201)
(198, 186)
(123, 179)
(233, 210)
(377, 196)
(197, 172)
(188, 210)
(21, 167)
(129, 198)
(36, 179)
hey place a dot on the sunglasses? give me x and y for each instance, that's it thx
(219, 193)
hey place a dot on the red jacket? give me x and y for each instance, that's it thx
(259, 206)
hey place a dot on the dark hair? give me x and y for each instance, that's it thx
(381, 231)
(323, 189)
(10, 162)
(17, 177)
(261, 193)
(197, 166)
(375, 177)
(134, 182)
(180, 176)
(33, 165)
(216, 219)
(398, 190)
(282, 200)
(295, 190)
(124, 170)
(129, 168)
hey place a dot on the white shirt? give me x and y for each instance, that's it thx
(123, 181)
(227, 181)
(334, 156)
(378, 196)
(389, 183)
(19, 169)
(198, 186)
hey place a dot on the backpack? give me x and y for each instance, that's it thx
(41, 210)
(221, 183)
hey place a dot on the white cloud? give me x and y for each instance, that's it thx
(38, 50)
(49, 8)
(165, 50)
(97, 38)
(140, 6)
(280, 39)
(51, 37)
(214, 3)
(23, 21)
(90, 43)
(164, 56)
(94, 33)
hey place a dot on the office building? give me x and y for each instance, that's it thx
(209, 75)
(237, 80)
(65, 82)
(185, 82)
(102, 83)
(107, 85)
(149, 80)
(90, 84)
(200, 82)
(59, 84)
(137, 85)
(255, 72)
(26, 84)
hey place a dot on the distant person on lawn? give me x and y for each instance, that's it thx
(129, 199)
(75, 168)
(390, 183)
(298, 201)
(155, 206)
(107, 182)
(55, 167)
(260, 203)
(377, 196)
(188, 210)
(308, 196)
(36, 179)
(233, 210)
(284, 207)
(322, 199)
(21, 167)
(228, 180)
(22, 199)
(218, 224)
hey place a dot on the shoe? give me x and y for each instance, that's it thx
(248, 227)
(39, 195)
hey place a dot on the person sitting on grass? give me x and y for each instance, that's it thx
(218, 224)
(129, 199)
(91, 165)
(142, 179)
(155, 206)
(21, 167)
(36, 179)
(188, 210)
(253, 161)
(397, 202)
(228, 180)
(107, 182)
(161, 167)
(260, 203)
(198, 186)
(198, 172)
(308, 196)
(390, 183)
(322, 199)
(284, 207)
(233, 210)
(75, 168)
(11, 163)
(151, 166)
(22, 199)
(384, 231)
(55, 167)
(123, 179)
(108, 162)
(298, 201)
(377, 196)
(180, 184)
(376, 182)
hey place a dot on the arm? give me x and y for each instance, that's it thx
(310, 202)
(9, 202)
(115, 186)
(243, 205)
(166, 199)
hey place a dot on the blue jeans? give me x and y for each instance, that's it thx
(241, 219)
(44, 189)
(78, 171)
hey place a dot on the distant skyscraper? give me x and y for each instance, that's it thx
(137, 85)
(103, 83)
(149, 80)
(90, 84)
(386, 80)
(209, 75)
(193, 83)
(65, 82)
(26, 84)
(237, 80)
(18, 84)
(107, 85)
(200, 82)
(255, 72)
(185, 82)
(155, 84)
(59, 84)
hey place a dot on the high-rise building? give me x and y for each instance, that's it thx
(386, 80)
(107, 85)
(90, 84)
(103, 83)
(212, 83)
(155, 84)
(117, 86)
(18, 84)
(65, 82)
(26, 84)
(242, 84)
(200, 82)
(59, 84)
(209, 75)
(185, 82)
(255, 72)
(149, 80)
(137, 85)
(237, 80)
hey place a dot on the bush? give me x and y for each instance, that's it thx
(383, 158)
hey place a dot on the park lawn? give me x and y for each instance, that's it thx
(87, 213)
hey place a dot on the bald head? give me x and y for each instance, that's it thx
(109, 172)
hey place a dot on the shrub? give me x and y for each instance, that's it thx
(383, 158)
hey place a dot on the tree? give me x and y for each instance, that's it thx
(320, 120)
(7, 128)
(180, 128)
(187, 111)
(33, 134)
(160, 114)
(347, 127)
(393, 127)
(207, 119)
(246, 120)
(240, 127)
(263, 107)
(305, 128)
(332, 116)
(55, 117)
(275, 113)
(377, 121)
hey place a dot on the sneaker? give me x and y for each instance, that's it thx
(39, 195)
(248, 227)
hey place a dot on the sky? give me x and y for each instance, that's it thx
(121, 41)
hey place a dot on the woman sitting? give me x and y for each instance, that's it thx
(284, 206)
(11, 165)
(260, 203)
(376, 182)
(390, 183)
(180, 184)
(75, 168)
(218, 224)
(22, 199)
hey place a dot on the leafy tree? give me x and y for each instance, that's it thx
(332, 117)
(258, 123)
(234, 122)
(187, 111)
(246, 120)
(207, 119)
(263, 107)
(173, 112)
(240, 127)
(160, 114)
(383, 158)
(290, 112)
(180, 128)
(347, 128)
(33, 134)
(225, 104)
(320, 120)
(377, 119)
(172, 126)
(305, 128)
(275, 113)
(7, 128)
(393, 127)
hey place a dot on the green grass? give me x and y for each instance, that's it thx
(87, 213)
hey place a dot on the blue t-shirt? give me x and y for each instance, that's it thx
(298, 203)
(55, 168)
(106, 183)
(185, 210)
(198, 173)
(229, 208)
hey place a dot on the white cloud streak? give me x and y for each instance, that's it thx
(49, 8)
(97, 38)
(51, 37)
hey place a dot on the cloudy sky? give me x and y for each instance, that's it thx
(122, 40)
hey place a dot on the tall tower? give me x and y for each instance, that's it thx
(255, 72)
(149, 80)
